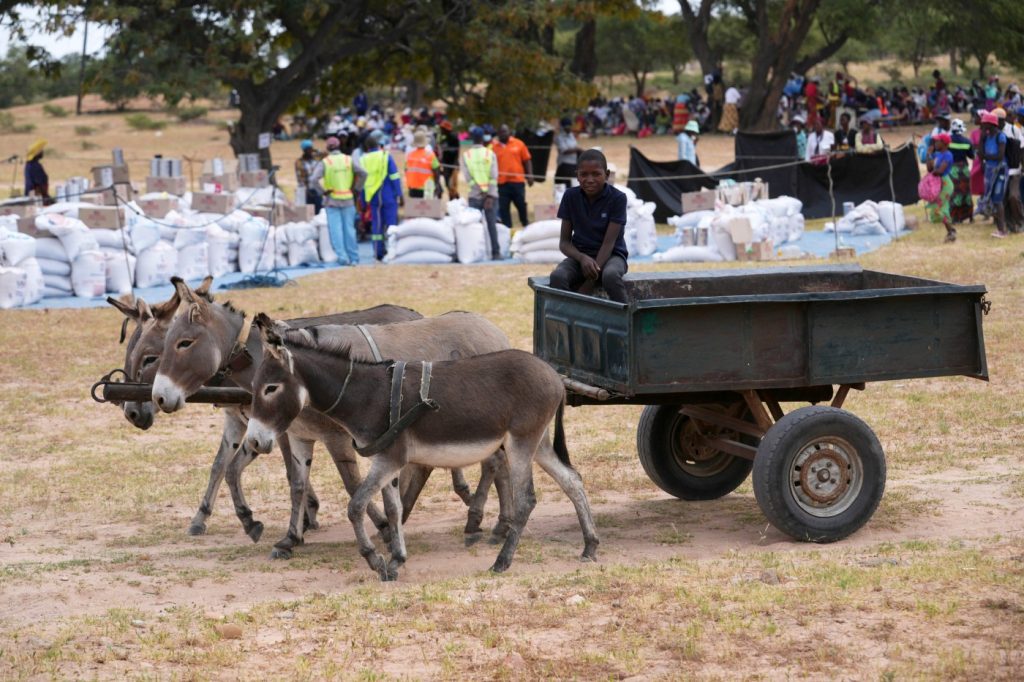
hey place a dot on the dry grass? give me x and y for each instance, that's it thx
(99, 579)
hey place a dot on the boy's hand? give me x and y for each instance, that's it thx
(591, 270)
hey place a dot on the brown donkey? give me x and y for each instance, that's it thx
(467, 408)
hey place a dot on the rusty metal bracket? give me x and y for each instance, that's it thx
(986, 305)
(773, 405)
(106, 379)
(757, 409)
(703, 414)
(730, 447)
(841, 394)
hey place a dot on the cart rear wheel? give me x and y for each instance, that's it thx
(819, 474)
(665, 441)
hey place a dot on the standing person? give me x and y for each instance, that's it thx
(835, 91)
(797, 124)
(687, 142)
(382, 191)
(568, 153)
(515, 172)
(593, 224)
(448, 142)
(992, 150)
(939, 165)
(339, 178)
(37, 182)
(1014, 143)
(812, 95)
(305, 166)
(422, 168)
(819, 143)
(730, 122)
(960, 205)
(978, 165)
(480, 170)
(680, 113)
(360, 103)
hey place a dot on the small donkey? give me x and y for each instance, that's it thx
(469, 408)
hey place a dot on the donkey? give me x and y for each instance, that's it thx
(141, 364)
(469, 407)
(199, 343)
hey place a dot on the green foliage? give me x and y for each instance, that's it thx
(28, 75)
(10, 126)
(55, 110)
(638, 45)
(85, 130)
(141, 121)
(190, 113)
(88, 145)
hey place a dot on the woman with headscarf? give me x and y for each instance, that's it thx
(730, 122)
(961, 206)
(37, 182)
(992, 150)
(940, 164)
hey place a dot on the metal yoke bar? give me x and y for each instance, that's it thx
(221, 395)
(703, 414)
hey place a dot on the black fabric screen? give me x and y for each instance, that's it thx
(540, 151)
(666, 194)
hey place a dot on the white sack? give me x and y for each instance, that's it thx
(193, 261)
(50, 247)
(120, 268)
(424, 227)
(156, 265)
(892, 223)
(303, 253)
(13, 284)
(222, 257)
(327, 254)
(420, 257)
(542, 229)
(688, 254)
(74, 236)
(550, 244)
(16, 247)
(34, 282)
(111, 239)
(89, 274)
(49, 266)
(546, 256)
(300, 232)
(190, 236)
(144, 234)
(418, 243)
(60, 283)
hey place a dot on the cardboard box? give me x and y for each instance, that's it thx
(741, 230)
(756, 251)
(253, 178)
(108, 217)
(172, 185)
(108, 198)
(23, 210)
(545, 212)
(264, 212)
(425, 208)
(104, 176)
(213, 203)
(733, 195)
(157, 208)
(289, 213)
(27, 225)
(703, 200)
(845, 252)
(228, 182)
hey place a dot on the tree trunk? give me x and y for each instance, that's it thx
(584, 53)
(677, 70)
(952, 61)
(256, 116)
(982, 58)
(697, 25)
(640, 78)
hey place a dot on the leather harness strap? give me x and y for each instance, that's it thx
(373, 344)
(399, 422)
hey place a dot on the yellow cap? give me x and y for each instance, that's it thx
(35, 149)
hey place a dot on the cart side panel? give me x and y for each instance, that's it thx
(895, 338)
(706, 347)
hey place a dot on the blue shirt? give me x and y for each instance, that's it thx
(992, 148)
(945, 157)
(687, 149)
(590, 219)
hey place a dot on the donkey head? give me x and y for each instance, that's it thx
(145, 345)
(278, 392)
(192, 348)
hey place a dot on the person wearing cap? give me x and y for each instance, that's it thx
(867, 140)
(992, 151)
(797, 123)
(37, 182)
(1014, 144)
(480, 171)
(448, 142)
(338, 178)
(515, 172)
(960, 204)
(686, 143)
(305, 166)
(939, 164)
(942, 121)
(422, 169)
(382, 190)
(568, 153)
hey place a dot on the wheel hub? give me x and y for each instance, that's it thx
(827, 475)
(823, 477)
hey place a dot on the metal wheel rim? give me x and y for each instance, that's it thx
(695, 460)
(826, 476)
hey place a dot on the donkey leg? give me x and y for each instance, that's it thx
(506, 503)
(475, 515)
(382, 471)
(412, 479)
(224, 453)
(302, 458)
(571, 483)
(393, 508)
(520, 463)
(344, 459)
(460, 486)
(245, 457)
(309, 521)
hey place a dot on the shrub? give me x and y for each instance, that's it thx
(190, 113)
(55, 110)
(88, 146)
(84, 130)
(144, 122)
(8, 124)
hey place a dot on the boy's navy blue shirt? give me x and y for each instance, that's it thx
(590, 220)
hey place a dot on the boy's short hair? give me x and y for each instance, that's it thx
(593, 155)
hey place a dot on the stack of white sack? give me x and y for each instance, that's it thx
(641, 232)
(261, 248)
(156, 260)
(222, 250)
(870, 217)
(116, 247)
(303, 243)
(88, 277)
(180, 204)
(259, 196)
(22, 280)
(472, 240)
(421, 240)
(538, 242)
(66, 208)
(193, 260)
(327, 254)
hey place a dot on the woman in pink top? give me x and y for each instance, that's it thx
(977, 166)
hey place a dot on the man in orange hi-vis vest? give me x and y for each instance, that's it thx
(422, 169)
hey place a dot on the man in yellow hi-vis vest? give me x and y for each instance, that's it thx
(339, 178)
(382, 190)
(480, 170)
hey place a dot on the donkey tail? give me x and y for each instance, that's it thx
(559, 444)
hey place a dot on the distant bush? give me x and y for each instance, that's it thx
(9, 125)
(55, 110)
(84, 130)
(87, 145)
(190, 113)
(144, 122)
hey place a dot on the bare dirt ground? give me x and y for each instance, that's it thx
(98, 578)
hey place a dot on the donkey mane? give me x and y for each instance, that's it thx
(308, 338)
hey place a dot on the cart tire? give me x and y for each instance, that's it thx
(819, 474)
(659, 444)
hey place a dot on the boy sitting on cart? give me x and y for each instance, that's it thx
(593, 224)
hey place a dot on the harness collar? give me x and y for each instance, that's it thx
(399, 422)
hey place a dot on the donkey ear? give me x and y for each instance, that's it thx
(203, 289)
(183, 290)
(130, 311)
(168, 308)
(196, 312)
(145, 312)
(268, 332)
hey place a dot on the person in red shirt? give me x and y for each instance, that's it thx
(811, 93)
(515, 172)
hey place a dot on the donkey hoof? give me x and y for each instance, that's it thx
(472, 538)
(255, 531)
(197, 529)
(310, 524)
(497, 537)
(589, 552)
(500, 566)
(281, 553)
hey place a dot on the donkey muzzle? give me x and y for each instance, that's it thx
(167, 395)
(258, 437)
